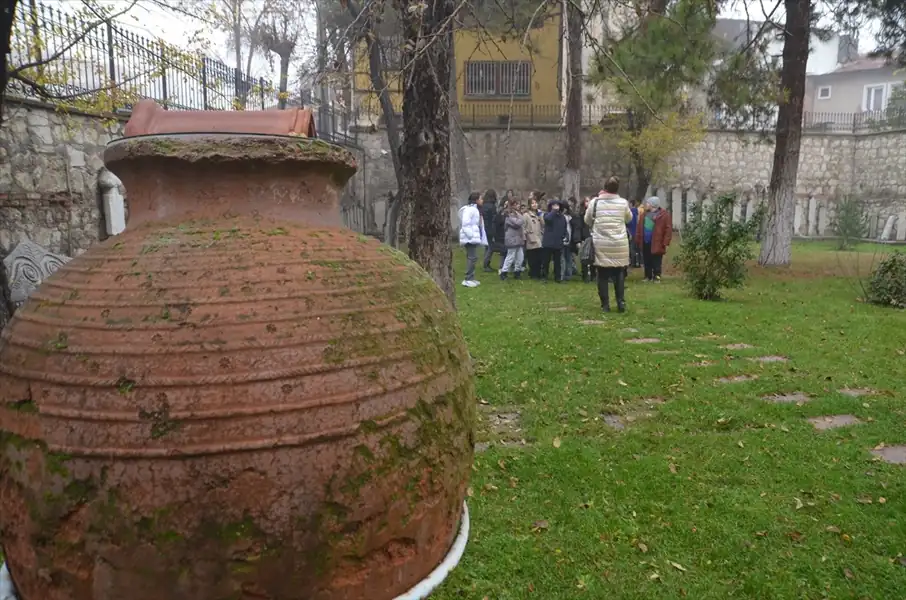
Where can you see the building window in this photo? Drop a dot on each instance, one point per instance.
(824, 93)
(875, 97)
(498, 79)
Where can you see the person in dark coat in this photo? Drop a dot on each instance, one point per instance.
(635, 258)
(490, 214)
(553, 240)
(588, 267)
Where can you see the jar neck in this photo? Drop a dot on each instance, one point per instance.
(168, 191)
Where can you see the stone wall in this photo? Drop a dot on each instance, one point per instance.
(49, 164)
(869, 165)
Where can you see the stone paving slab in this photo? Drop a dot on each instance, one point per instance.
(737, 378)
(737, 346)
(788, 398)
(643, 341)
(769, 359)
(592, 322)
(857, 392)
(826, 422)
(895, 455)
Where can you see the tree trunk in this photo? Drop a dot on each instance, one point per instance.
(776, 247)
(8, 16)
(571, 176)
(376, 72)
(461, 181)
(642, 178)
(284, 80)
(425, 156)
(236, 7)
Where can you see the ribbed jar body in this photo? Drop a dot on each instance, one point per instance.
(234, 399)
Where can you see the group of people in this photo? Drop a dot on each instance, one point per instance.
(606, 233)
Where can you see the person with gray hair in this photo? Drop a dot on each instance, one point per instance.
(653, 235)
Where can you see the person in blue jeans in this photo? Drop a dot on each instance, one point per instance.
(553, 240)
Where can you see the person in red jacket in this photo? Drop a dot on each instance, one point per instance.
(653, 234)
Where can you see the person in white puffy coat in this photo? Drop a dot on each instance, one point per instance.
(471, 235)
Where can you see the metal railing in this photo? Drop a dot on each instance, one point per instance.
(80, 61)
(521, 113)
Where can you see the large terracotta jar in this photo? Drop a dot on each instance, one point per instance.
(237, 398)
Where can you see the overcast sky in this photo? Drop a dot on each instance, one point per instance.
(149, 19)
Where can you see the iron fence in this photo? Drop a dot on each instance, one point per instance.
(86, 62)
(521, 114)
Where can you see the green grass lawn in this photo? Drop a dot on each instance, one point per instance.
(709, 491)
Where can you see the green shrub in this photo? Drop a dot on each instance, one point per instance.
(850, 222)
(888, 282)
(715, 248)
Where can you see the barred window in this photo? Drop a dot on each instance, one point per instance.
(499, 78)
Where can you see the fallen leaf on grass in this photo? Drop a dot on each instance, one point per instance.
(540, 526)
(761, 533)
(848, 574)
(740, 444)
(832, 529)
(556, 442)
(795, 536)
(902, 561)
(470, 492)
(677, 566)
(846, 538)
(514, 482)
(654, 576)
(864, 500)
(623, 383)
(490, 487)
(672, 468)
(642, 547)
(882, 500)
(799, 503)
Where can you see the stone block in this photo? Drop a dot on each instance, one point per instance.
(27, 266)
(42, 134)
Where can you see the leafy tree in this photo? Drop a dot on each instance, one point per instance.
(715, 248)
(650, 67)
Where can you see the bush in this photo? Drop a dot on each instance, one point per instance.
(850, 222)
(715, 248)
(888, 282)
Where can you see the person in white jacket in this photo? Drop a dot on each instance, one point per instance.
(472, 235)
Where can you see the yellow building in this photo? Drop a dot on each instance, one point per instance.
(500, 78)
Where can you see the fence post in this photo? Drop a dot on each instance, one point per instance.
(261, 91)
(237, 85)
(204, 82)
(163, 75)
(111, 64)
(532, 114)
(473, 115)
(855, 118)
